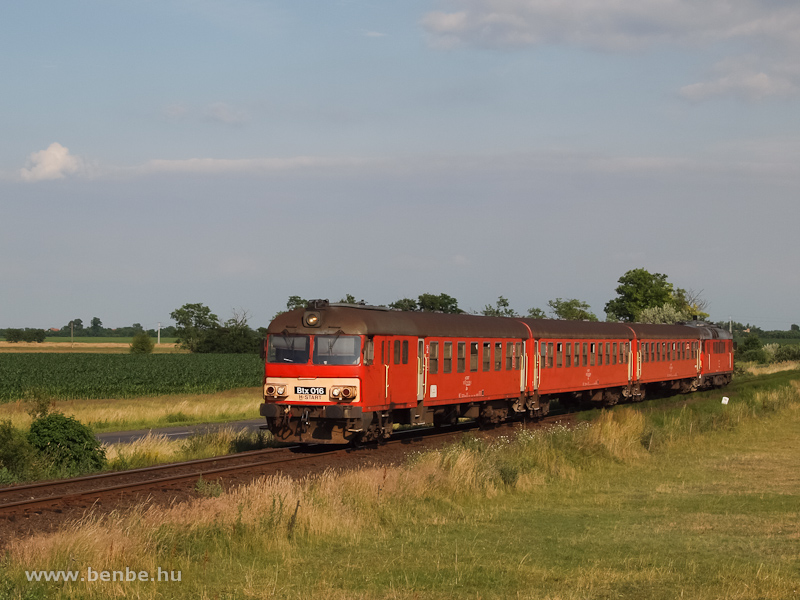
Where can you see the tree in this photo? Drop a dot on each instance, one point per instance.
(571, 309)
(536, 313)
(193, 322)
(407, 304)
(350, 299)
(795, 327)
(639, 289)
(142, 343)
(295, 302)
(500, 309)
(665, 314)
(96, 328)
(441, 303)
(14, 335)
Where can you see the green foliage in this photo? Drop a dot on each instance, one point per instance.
(441, 303)
(536, 313)
(142, 344)
(68, 443)
(73, 376)
(500, 309)
(751, 349)
(639, 289)
(665, 314)
(208, 489)
(16, 452)
(571, 310)
(193, 321)
(25, 335)
(406, 304)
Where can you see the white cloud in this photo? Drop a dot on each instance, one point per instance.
(742, 77)
(224, 113)
(243, 165)
(772, 29)
(53, 163)
(618, 25)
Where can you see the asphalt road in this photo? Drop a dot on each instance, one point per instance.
(180, 432)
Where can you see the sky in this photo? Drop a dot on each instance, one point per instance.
(238, 152)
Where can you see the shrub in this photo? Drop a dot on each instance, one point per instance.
(14, 335)
(787, 352)
(142, 343)
(68, 443)
(16, 453)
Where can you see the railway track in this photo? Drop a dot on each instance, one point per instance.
(36, 496)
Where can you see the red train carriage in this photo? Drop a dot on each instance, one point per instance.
(336, 373)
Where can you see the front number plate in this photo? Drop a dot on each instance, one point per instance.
(309, 391)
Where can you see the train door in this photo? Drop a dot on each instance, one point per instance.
(536, 366)
(422, 372)
(386, 354)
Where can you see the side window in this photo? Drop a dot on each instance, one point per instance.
(543, 351)
(608, 353)
(405, 352)
(568, 356)
(585, 355)
(498, 356)
(559, 354)
(462, 356)
(614, 353)
(447, 367)
(509, 355)
(592, 353)
(577, 354)
(397, 352)
(384, 357)
(473, 356)
(550, 354)
(487, 356)
(433, 358)
(517, 355)
(600, 353)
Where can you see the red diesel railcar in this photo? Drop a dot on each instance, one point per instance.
(338, 372)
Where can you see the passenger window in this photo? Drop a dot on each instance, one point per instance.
(568, 357)
(397, 352)
(369, 352)
(433, 358)
(447, 367)
(614, 352)
(487, 356)
(577, 354)
(498, 356)
(517, 355)
(473, 356)
(592, 353)
(405, 352)
(509, 355)
(543, 359)
(600, 353)
(462, 356)
(559, 354)
(550, 354)
(608, 353)
(585, 359)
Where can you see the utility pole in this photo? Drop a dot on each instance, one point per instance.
(730, 325)
(159, 333)
(72, 334)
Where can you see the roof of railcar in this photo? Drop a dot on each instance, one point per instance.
(550, 328)
(379, 321)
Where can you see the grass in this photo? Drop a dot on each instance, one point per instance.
(104, 415)
(105, 340)
(709, 511)
(155, 449)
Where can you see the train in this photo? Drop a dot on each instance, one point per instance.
(339, 373)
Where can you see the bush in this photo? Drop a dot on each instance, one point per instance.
(16, 453)
(142, 343)
(787, 352)
(68, 443)
(14, 335)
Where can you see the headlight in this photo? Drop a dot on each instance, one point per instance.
(311, 319)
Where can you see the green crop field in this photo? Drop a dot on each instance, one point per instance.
(76, 376)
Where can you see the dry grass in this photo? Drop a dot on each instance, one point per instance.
(84, 347)
(143, 413)
(757, 369)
